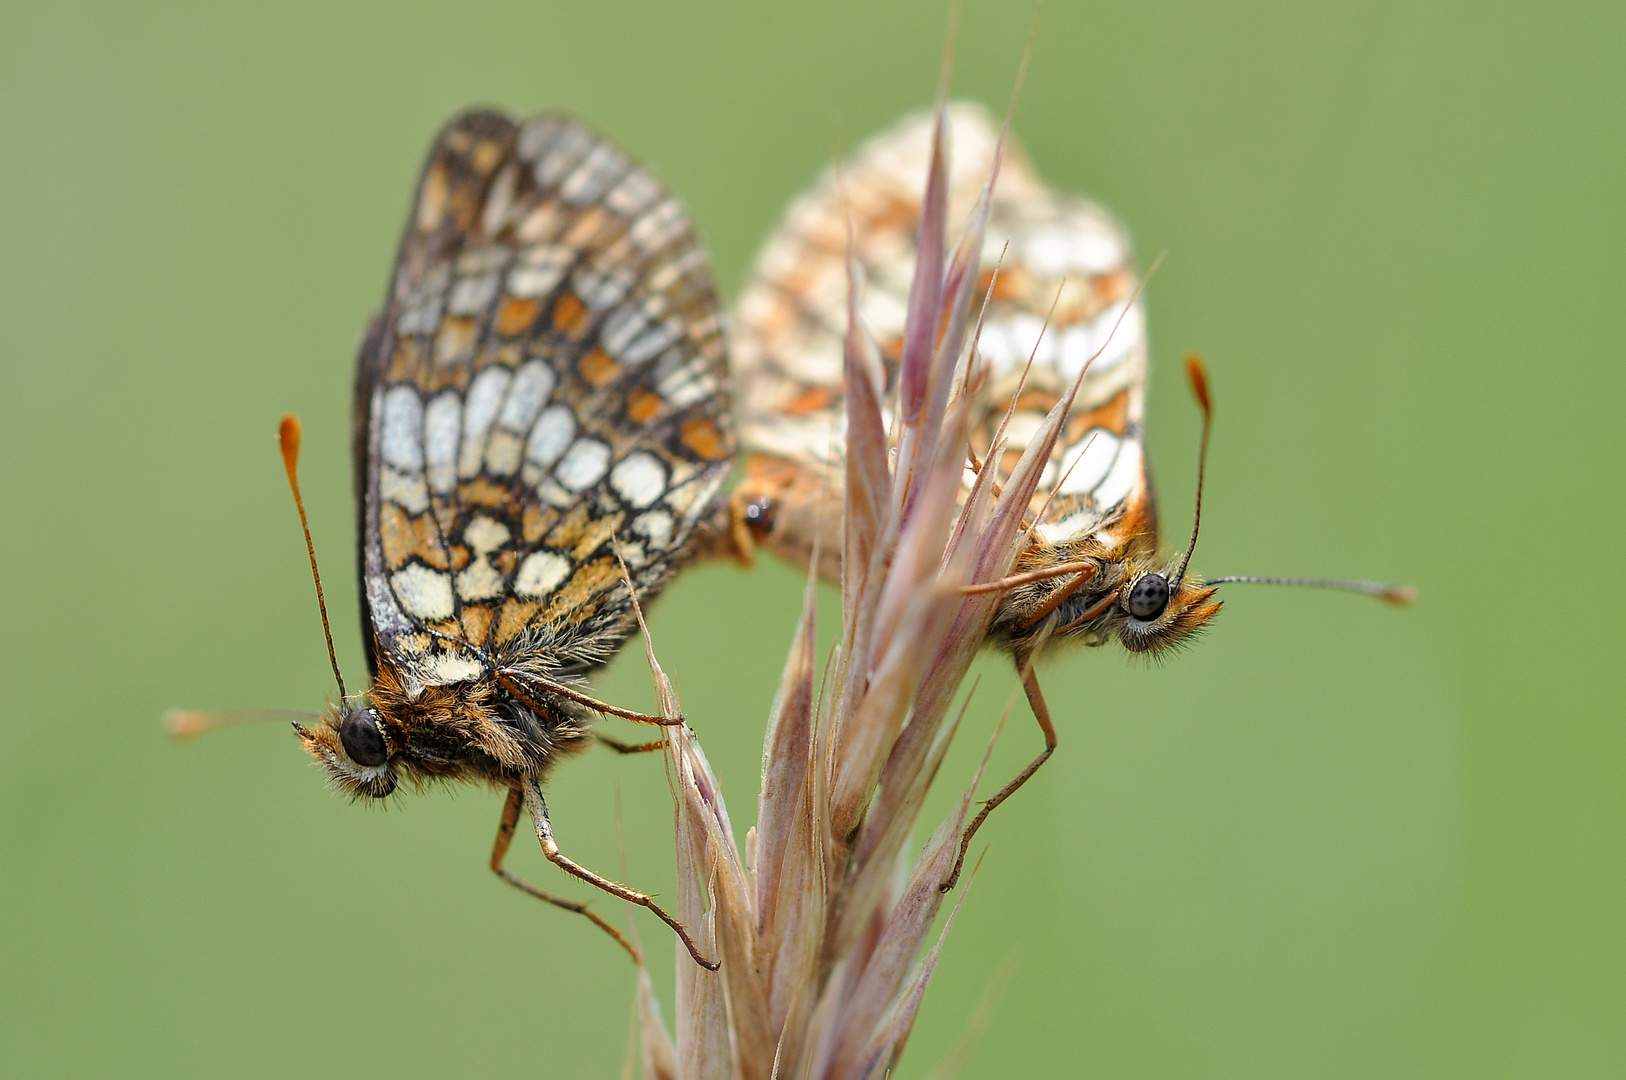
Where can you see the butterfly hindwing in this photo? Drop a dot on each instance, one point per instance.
(545, 391)
(1062, 250)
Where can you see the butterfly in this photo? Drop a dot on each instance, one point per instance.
(1064, 308)
(541, 428)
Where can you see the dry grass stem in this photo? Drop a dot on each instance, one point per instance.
(821, 928)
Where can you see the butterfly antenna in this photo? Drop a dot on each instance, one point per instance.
(288, 433)
(1399, 595)
(1197, 375)
(182, 724)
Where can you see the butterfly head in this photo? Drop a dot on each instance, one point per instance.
(469, 730)
(1119, 591)
(354, 748)
(1156, 610)
(1114, 585)
(1122, 588)
(1156, 605)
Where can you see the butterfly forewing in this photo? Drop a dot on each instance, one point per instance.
(544, 391)
(791, 319)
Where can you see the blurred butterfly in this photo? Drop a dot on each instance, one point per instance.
(541, 430)
(1063, 307)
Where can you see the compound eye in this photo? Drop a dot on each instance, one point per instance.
(759, 517)
(1149, 596)
(363, 739)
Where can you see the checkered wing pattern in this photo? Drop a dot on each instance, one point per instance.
(790, 323)
(544, 390)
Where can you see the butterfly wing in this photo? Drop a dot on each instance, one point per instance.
(790, 323)
(544, 390)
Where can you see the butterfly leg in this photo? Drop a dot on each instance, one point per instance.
(544, 834)
(499, 851)
(1041, 713)
(509, 680)
(629, 748)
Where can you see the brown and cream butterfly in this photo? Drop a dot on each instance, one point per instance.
(1063, 309)
(541, 431)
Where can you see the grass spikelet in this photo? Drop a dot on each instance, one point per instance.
(821, 937)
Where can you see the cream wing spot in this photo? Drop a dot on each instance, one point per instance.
(656, 526)
(447, 667)
(587, 183)
(691, 264)
(1073, 525)
(634, 554)
(560, 153)
(683, 499)
(1077, 345)
(500, 201)
(482, 260)
(441, 421)
(549, 491)
(684, 385)
(1088, 462)
(1046, 253)
(503, 450)
(1032, 338)
(635, 191)
(479, 581)
(633, 336)
(620, 327)
(884, 312)
(402, 440)
(535, 136)
(454, 342)
(539, 271)
(583, 465)
(1123, 478)
(652, 344)
(639, 479)
(602, 288)
(485, 394)
(659, 227)
(423, 592)
(471, 295)
(1116, 344)
(994, 344)
(533, 382)
(421, 304)
(553, 431)
(1021, 429)
(485, 535)
(406, 490)
(1074, 248)
(540, 574)
(1098, 252)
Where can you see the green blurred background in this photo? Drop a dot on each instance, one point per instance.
(1334, 840)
